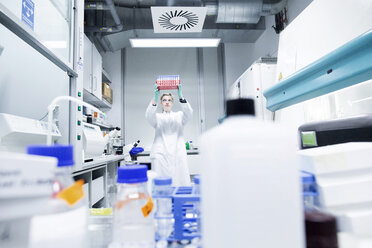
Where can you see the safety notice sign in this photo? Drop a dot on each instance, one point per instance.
(28, 13)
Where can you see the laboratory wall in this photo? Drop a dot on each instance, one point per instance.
(237, 60)
(140, 71)
(142, 66)
(239, 56)
(29, 82)
(213, 87)
(111, 63)
(320, 29)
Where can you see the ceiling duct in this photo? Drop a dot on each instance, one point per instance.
(150, 3)
(220, 20)
(243, 11)
(273, 8)
(108, 6)
(239, 11)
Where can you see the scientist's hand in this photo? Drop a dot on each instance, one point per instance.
(156, 93)
(180, 96)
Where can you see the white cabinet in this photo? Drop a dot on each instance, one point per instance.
(92, 69)
(97, 73)
(251, 84)
(88, 53)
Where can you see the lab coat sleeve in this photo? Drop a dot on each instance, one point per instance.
(187, 112)
(151, 114)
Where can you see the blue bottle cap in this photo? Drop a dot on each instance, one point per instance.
(163, 181)
(197, 179)
(64, 153)
(307, 177)
(132, 174)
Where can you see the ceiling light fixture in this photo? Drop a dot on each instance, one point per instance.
(174, 42)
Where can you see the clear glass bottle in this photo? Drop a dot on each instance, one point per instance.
(162, 193)
(133, 223)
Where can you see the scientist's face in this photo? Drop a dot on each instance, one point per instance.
(167, 103)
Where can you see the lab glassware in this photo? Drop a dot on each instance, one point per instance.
(162, 193)
(133, 223)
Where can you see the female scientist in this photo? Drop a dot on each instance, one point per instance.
(168, 153)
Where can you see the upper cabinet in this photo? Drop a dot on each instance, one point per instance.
(92, 69)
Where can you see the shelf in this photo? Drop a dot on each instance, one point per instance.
(92, 99)
(348, 65)
(106, 77)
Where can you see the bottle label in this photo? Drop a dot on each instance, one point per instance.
(146, 210)
(73, 193)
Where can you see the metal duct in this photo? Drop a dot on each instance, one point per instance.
(150, 3)
(228, 12)
(243, 11)
(96, 6)
(111, 7)
(239, 11)
(273, 8)
(103, 42)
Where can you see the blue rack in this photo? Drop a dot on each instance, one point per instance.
(186, 220)
(347, 65)
(309, 190)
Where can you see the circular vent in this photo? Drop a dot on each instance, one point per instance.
(178, 20)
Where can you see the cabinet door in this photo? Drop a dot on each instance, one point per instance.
(88, 76)
(97, 73)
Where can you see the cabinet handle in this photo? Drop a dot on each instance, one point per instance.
(95, 83)
(91, 83)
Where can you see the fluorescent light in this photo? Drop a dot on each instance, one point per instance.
(55, 44)
(174, 42)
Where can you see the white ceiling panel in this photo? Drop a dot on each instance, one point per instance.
(178, 19)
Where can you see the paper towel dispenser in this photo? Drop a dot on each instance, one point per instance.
(352, 129)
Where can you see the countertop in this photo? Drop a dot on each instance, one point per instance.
(189, 152)
(102, 160)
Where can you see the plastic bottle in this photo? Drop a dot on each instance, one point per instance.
(162, 192)
(133, 223)
(25, 189)
(250, 182)
(67, 210)
(321, 230)
(191, 145)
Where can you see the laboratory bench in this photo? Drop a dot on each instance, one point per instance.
(98, 176)
(102, 160)
(189, 152)
(192, 160)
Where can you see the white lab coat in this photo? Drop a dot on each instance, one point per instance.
(168, 154)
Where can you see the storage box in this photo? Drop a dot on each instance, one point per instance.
(107, 92)
(168, 82)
